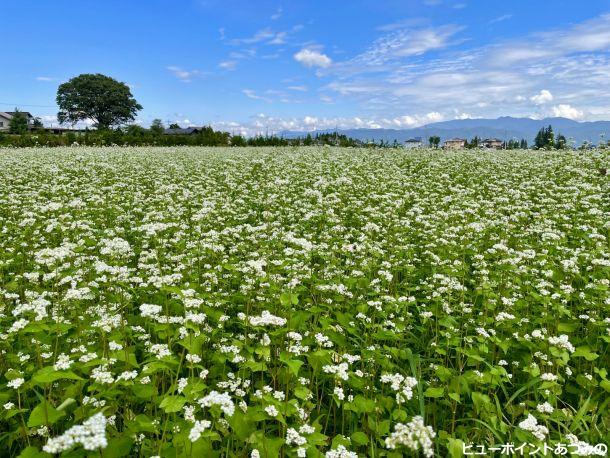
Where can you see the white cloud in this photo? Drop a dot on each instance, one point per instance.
(404, 43)
(543, 97)
(408, 121)
(312, 58)
(298, 88)
(504, 17)
(567, 111)
(253, 95)
(185, 76)
(501, 79)
(278, 14)
(262, 123)
(266, 36)
(45, 78)
(228, 64)
(261, 35)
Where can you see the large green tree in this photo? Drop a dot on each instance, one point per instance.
(434, 141)
(104, 100)
(18, 123)
(157, 127)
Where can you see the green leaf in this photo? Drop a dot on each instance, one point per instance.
(363, 405)
(43, 414)
(359, 438)
(585, 352)
(605, 384)
(293, 364)
(434, 392)
(567, 327)
(146, 391)
(33, 452)
(256, 366)
(172, 403)
(455, 396)
(50, 375)
(455, 447)
(480, 401)
(285, 299)
(118, 447)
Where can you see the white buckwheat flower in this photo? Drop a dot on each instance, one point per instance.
(91, 435)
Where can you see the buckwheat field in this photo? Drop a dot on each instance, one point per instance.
(302, 302)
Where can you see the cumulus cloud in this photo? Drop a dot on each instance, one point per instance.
(312, 58)
(543, 97)
(567, 111)
(262, 123)
(504, 78)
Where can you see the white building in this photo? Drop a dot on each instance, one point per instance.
(6, 116)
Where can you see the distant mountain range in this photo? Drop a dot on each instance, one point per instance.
(504, 128)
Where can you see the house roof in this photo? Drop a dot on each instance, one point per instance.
(27, 113)
(414, 140)
(492, 140)
(186, 131)
(455, 140)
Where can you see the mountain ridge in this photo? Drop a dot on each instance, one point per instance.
(504, 128)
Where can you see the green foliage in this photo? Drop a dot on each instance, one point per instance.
(545, 139)
(212, 301)
(100, 98)
(156, 127)
(18, 123)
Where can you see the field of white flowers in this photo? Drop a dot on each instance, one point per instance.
(303, 302)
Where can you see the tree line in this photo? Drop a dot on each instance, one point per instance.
(111, 106)
(546, 139)
(135, 135)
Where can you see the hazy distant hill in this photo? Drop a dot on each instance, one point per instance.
(504, 128)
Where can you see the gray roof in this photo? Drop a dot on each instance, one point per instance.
(186, 131)
(27, 113)
(414, 140)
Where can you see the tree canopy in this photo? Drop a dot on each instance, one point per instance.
(100, 98)
(18, 123)
(545, 139)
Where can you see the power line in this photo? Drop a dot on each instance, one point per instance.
(25, 105)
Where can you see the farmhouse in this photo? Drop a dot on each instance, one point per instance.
(6, 116)
(494, 143)
(415, 142)
(180, 131)
(454, 143)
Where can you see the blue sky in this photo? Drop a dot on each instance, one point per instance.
(253, 66)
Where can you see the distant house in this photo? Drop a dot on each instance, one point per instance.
(415, 142)
(454, 143)
(186, 131)
(494, 143)
(6, 116)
